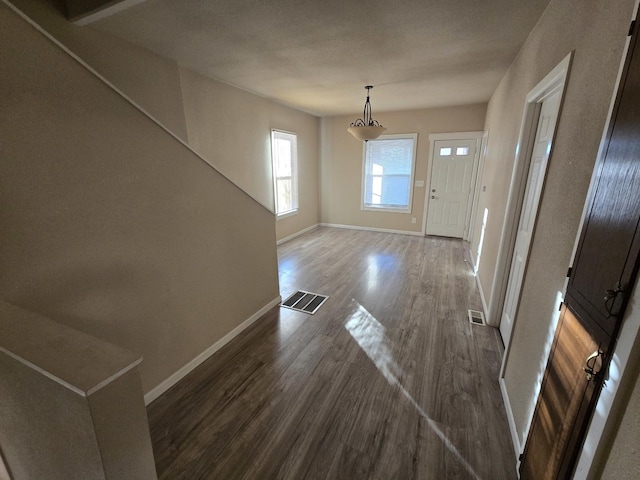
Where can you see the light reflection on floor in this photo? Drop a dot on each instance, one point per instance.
(370, 336)
(536, 386)
(479, 252)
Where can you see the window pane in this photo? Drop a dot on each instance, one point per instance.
(376, 190)
(388, 170)
(284, 195)
(445, 151)
(462, 151)
(395, 191)
(391, 157)
(284, 157)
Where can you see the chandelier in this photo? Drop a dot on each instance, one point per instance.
(366, 128)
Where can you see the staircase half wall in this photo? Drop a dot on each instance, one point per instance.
(110, 224)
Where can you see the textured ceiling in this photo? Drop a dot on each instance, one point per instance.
(318, 55)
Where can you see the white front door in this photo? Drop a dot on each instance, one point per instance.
(450, 190)
(529, 212)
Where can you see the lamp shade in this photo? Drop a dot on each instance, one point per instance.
(365, 133)
(366, 128)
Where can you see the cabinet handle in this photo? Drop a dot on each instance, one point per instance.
(590, 364)
(610, 297)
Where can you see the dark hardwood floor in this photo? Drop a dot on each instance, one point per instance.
(388, 380)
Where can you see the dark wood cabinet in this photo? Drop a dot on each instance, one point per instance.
(607, 254)
(601, 279)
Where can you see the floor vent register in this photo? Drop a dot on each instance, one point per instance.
(306, 302)
(476, 317)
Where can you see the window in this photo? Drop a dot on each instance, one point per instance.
(388, 172)
(284, 155)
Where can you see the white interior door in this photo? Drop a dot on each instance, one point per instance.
(450, 190)
(528, 214)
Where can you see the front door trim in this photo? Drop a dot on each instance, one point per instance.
(477, 135)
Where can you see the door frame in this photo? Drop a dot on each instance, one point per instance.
(478, 185)
(533, 188)
(474, 135)
(555, 80)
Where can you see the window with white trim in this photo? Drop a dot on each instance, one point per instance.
(389, 163)
(284, 155)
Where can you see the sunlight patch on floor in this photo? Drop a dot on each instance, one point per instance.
(370, 335)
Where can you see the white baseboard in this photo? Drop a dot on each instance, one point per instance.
(484, 302)
(184, 371)
(512, 423)
(297, 234)
(485, 308)
(372, 229)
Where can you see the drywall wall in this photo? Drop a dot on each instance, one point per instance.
(152, 81)
(622, 462)
(342, 157)
(71, 404)
(596, 32)
(231, 128)
(112, 226)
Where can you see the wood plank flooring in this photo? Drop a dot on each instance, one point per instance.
(388, 380)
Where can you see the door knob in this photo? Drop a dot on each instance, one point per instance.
(590, 364)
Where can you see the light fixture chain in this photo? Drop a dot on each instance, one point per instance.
(366, 128)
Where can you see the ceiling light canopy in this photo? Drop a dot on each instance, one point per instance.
(366, 128)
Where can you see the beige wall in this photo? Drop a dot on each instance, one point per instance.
(342, 156)
(112, 226)
(622, 462)
(232, 129)
(596, 31)
(71, 405)
(150, 80)
(229, 127)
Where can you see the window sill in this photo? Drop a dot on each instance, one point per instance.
(288, 214)
(386, 209)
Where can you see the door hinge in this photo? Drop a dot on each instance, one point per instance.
(560, 306)
(521, 456)
(569, 270)
(631, 28)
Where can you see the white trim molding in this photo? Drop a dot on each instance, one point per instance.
(512, 422)
(433, 137)
(389, 209)
(483, 299)
(297, 234)
(161, 388)
(372, 229)
(556, 80)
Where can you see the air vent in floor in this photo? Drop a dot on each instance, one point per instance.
(306, 302)
(476, 317)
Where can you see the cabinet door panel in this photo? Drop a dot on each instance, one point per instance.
(604, 271)
(565, 396)
(608, 249)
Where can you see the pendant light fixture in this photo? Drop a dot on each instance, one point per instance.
(366, 128)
